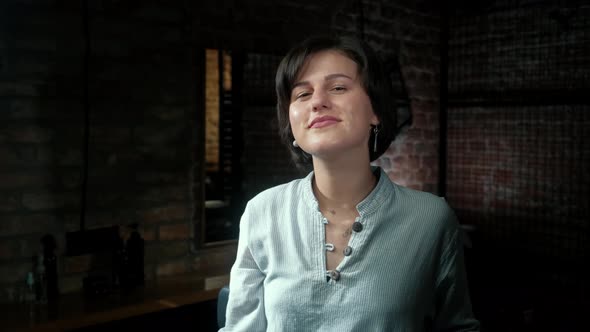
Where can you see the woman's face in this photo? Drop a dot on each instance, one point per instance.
(330, 112)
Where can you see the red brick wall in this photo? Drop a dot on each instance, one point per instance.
(412, 32)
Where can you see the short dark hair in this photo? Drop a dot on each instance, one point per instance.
(374, 79)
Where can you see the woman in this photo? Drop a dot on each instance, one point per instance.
(344, 249)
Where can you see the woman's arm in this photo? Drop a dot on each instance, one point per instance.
(245, 307)
(453, 304)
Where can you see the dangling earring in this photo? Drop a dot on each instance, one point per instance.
(375, 133)
(295, 144)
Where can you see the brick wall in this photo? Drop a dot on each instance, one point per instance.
(266, 161)
(518, 152)
(409, 32)
(139, 93)
(146, 135)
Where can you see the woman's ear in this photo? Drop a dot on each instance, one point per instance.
(374, 120)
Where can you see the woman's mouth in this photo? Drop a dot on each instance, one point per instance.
(323, 121)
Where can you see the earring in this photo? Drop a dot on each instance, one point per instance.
(375, 133)
(295, 144)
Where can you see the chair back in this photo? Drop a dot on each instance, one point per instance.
(222, 305)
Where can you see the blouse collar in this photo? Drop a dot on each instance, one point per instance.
(371, 203)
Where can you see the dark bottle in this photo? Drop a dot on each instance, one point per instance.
(128, 259)
(40, 279)
(50, 263)
(135, 257)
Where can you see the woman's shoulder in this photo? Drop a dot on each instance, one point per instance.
(268, 206)
(421, 199)
(426, 207)
(277, 194)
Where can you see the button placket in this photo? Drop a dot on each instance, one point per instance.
(357, 227)
(333, 275)
(347, 251)
(355, 241)
(323, 245)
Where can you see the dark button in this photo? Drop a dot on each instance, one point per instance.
(335, 275)
(347, 251)
(357, 226)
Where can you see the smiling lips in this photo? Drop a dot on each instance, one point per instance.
(323, 121)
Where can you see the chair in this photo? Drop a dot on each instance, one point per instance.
(222, 298)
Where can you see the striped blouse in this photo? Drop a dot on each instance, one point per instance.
(405, 270)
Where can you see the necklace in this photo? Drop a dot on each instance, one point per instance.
(372, 186)
(347, 232)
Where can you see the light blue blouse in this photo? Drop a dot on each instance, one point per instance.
(405, 271)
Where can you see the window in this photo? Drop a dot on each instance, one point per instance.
(222, 180)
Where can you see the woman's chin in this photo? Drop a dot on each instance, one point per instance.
(337, 154)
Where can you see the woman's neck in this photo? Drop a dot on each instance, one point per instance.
(342, 184)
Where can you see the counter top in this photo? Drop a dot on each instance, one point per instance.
(73, 310)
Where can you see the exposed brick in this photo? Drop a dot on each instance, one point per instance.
(413, 162)
(155, 134)
(18, 180)
(430, 187)
(166, 113)
(27, 224)
(171, 268)
(71, 283)
(10, 203)
(8, 249)
(167, 194)
(174, 232)
(18, 89)
(164, 214)
(30, 134)
(78, 264)
(429, 161)
(14, 272)
(400, 160)
(17, 156)
(152, 177)
(163, 251)
(217, 260)
(148, 233)
(47, 200)
(108, 134)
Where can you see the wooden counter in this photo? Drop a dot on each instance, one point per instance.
(73, 311)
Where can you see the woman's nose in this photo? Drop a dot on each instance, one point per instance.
(320, 100)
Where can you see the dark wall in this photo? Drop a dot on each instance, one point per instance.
(518, 146)
(129, 70)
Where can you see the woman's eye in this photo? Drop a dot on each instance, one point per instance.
(302, 95)
(339, 89)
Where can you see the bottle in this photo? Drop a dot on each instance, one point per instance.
(135, 254)
(30, 295)
(50, 264)
(30, 289)
(40, 280)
